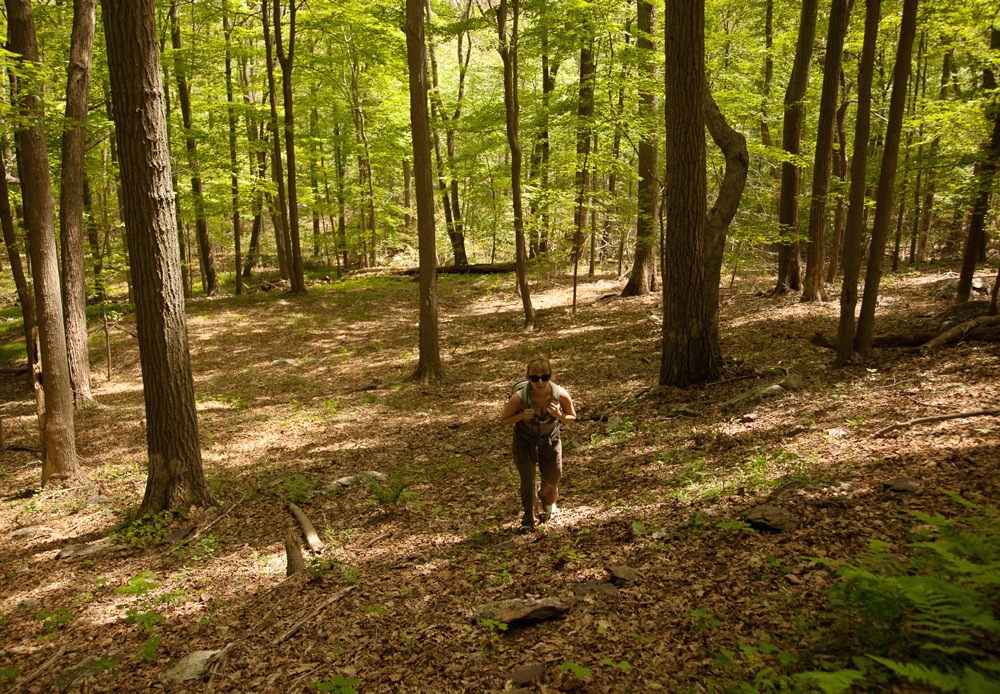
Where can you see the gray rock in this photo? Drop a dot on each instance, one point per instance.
(29, 604)
(792, 382)
(902, 485)
(191, 666)
(604, 588)
(30, 532)
(97, 499)
(771, 517)
(615, 423)
(84, 550)
(88, 667)
(529, 674)
(622, 575)
(518, 613)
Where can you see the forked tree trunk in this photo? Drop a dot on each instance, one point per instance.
(642, 279)
(281, 232)
(286, 57)
(508, 47)
(176, 478)
(791, 135)
(887, 178)
(74, 137)
(60, 463)
(812, 288)
(840, 172)
(429, 365)
(854, 228)
(24, 297)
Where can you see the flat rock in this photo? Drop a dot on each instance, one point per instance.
(97, 500)
(30, 532)
(902, 485)
(622, 575)
(84, 550)
(88, 667)
(771, 517)
(189, 667)
(517, 613)
(529, 674)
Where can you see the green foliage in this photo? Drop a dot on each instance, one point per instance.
(703, 619)
(296, 488)
(140, 584)
(390, 494)
(52, 620)
(735, 526)
(338, 684)
(148, 531)
(8, 675)
(492, 626)
(927, 614)
(576, 670)
(145, 620)
(148, 650)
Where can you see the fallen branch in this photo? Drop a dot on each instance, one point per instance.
(312, 615)
(199, 533)
(293, 554)
(312, 538)
(43, 667)
(374, 540)
(936, 418)
(960, 332)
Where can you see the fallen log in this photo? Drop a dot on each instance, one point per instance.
(964, 331)
(935, 418)
(312, 538)
(478, 269)
(914, 340)
(293, 554)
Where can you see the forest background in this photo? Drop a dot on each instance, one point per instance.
(306, 108)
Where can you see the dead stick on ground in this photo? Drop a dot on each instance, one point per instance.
(312, 538)
(43, 667)
(936, 418)
(375, 539)
(208, 527)
(312, 615)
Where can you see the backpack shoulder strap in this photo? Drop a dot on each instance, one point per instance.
(522, 389)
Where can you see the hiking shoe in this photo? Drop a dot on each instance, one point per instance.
(525, 529)
(548, 510)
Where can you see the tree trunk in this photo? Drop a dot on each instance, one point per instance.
(281, 233)
(71, 199)
(314, 166)
(407, 197)
(689, 354)
(234, 185)
(60, 463)
(287, 60)
(585, 113)
(812, 288)
(24, 297)
(429, 365)
(887, 178)
(854, 229)
(975, 240)
(209, 278)
(791, 135)
(176, 478)
(508, 47)
(255, 138)
(840, 171)
(642, 279)
(338, 158)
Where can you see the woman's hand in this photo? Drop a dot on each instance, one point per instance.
(554, 410)
(527, 415)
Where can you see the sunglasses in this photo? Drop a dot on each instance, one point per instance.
(544, 378)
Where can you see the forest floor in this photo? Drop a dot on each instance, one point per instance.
(295, 394)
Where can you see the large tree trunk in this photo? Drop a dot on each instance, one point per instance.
(840, 172)
(255, 138)
(854, 228)
(429, 365)
(71, 199)
(24, 297)
(208, 274)
(975, 240)
(887, 178)
(508, 47)
(791, 135)
(281, 225)
(642, 279)
(812, 288)
(60, 463)
(287, 60)
(176, 478)
(234, 181)
(585, 113)
(689, 354)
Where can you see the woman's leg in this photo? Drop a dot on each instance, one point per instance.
(525, 465)
(550, 466)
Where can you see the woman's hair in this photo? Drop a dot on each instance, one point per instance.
(539, 365)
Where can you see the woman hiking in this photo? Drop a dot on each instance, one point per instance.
(536, 408)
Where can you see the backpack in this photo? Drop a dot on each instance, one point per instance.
(523, 388)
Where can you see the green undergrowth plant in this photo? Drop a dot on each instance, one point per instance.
(392, 493)
(928, 614)
(146, 531)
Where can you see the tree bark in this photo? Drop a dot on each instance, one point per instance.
(282, 235)
(813, 288)
(209, 277)
(975, 239)
(176, 478)
(508, 48)
(887, 178)
(689, 355)
(585, 113)
(791, 135)
(429, 365)
(74, 137)
(642, 279)
(287, 60)
(840, 172)
(60, 463)
(234, 181)
(24, 297)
